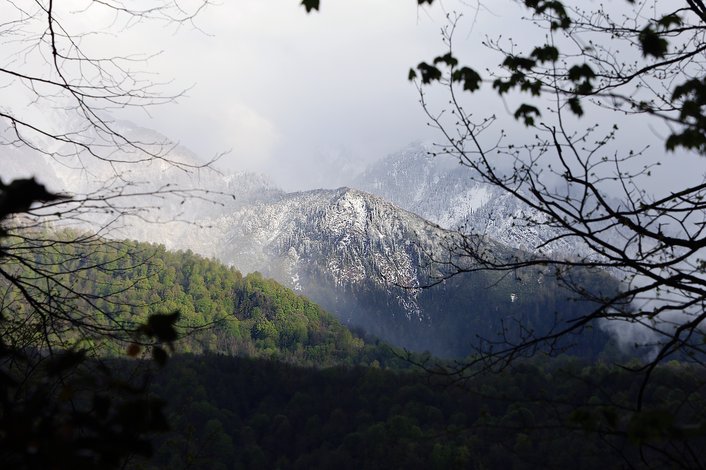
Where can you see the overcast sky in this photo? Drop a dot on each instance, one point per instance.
(299, 96)
(283, 89)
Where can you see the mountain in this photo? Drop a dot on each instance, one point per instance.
(371, 263)
(364, 259)
(445, 192)
(164, 199)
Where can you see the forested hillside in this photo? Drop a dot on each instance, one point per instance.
(366, 261)
(122, 283)
(250, 398)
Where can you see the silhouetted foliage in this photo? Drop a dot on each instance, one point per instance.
(58, 407)
(635, 58)
(61, 406)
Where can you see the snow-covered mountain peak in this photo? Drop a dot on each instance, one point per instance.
(441, 190)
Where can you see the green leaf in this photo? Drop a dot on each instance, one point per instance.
(652, 43)
(587, 420)
(689, 87)
(645, 426)
(470, 78)
(161, 326)
(533, 86)
(546, 53)
(514, 62)
(668, 21)
(429, 73)
(311, 5)
(503, 86)
(583, 71)
(575, 105)
(688, 139)
(553, 9)
(611, 417)
(448, 59)
(527, 113)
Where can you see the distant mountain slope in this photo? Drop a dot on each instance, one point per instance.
(366, 260)
(362, 258)
(441, 190)
(221, 310)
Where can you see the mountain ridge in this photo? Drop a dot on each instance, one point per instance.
(357, 254)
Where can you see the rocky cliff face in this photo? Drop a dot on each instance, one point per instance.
(371, 263)
(345, 236)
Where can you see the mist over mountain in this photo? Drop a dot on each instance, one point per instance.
(366, 260)
(362, 258)
(443, 191)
